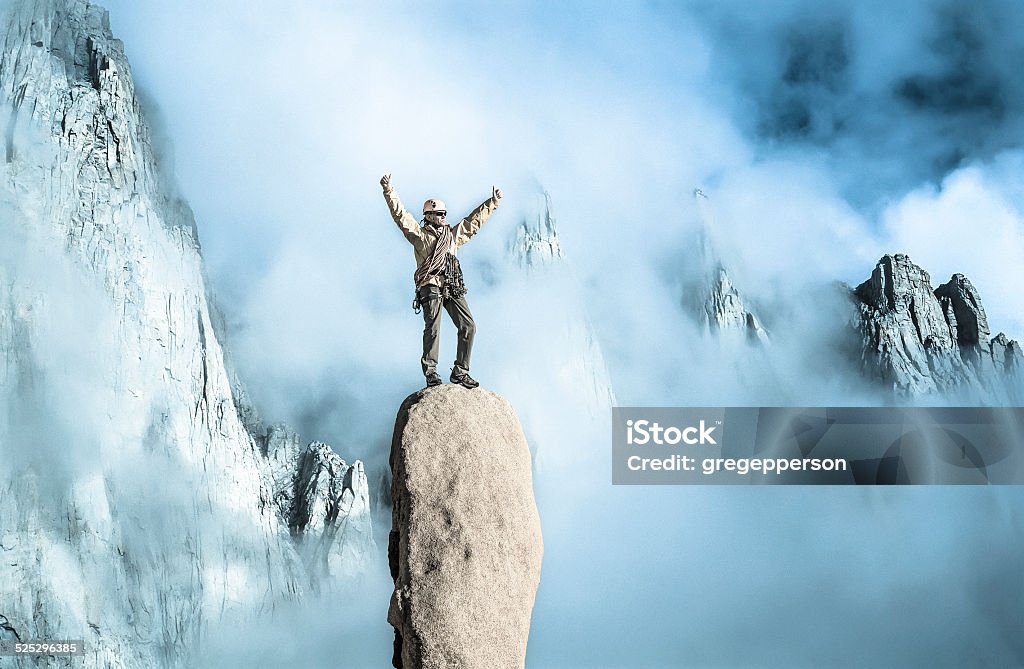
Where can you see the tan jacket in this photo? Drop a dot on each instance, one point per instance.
(423, 238)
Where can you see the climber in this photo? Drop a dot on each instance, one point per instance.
(438, 276)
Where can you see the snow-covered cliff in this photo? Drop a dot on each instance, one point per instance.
(137, 507)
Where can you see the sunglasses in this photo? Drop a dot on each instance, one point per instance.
(439, 214)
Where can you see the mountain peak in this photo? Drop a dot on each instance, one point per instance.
(159, 456)
(714, 301)
(921, 341)
(536, 241)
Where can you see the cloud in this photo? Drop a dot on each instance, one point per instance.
(973, 224)
(57, 331)
(346, 628)
(895, 94)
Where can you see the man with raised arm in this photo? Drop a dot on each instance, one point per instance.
(438, 276)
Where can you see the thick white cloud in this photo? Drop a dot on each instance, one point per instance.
(974, 225)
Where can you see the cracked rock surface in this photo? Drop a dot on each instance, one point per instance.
(465, 546)
(711, 298)
(141, 502)
(921, 341)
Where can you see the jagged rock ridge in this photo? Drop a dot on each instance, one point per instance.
(722, 309)
(919, 341)
(140, 500)
(325, 502)
(536, 241)
(711, 298)
(331, 514)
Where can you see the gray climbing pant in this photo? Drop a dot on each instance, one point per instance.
(431, 301)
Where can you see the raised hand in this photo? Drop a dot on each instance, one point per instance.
(385, 180)
(495, 193)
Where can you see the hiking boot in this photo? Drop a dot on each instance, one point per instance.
(463, 379)
(433, 379)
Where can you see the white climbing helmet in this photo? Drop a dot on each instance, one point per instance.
(433, 205)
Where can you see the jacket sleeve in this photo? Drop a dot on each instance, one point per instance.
(409, 226)
(470, 225)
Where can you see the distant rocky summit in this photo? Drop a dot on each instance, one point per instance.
(536, 241)
(326, 503)
(175, 509)
(913, 340)
(713, 301)
(721, 309)
(465, 547)
(920, 341)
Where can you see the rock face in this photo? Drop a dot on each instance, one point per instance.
(465, 546)
(919, 341)
(536, 241)
(710, 297)
(325, 503)
(331, 514)
(140, 500)
(722, 310)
